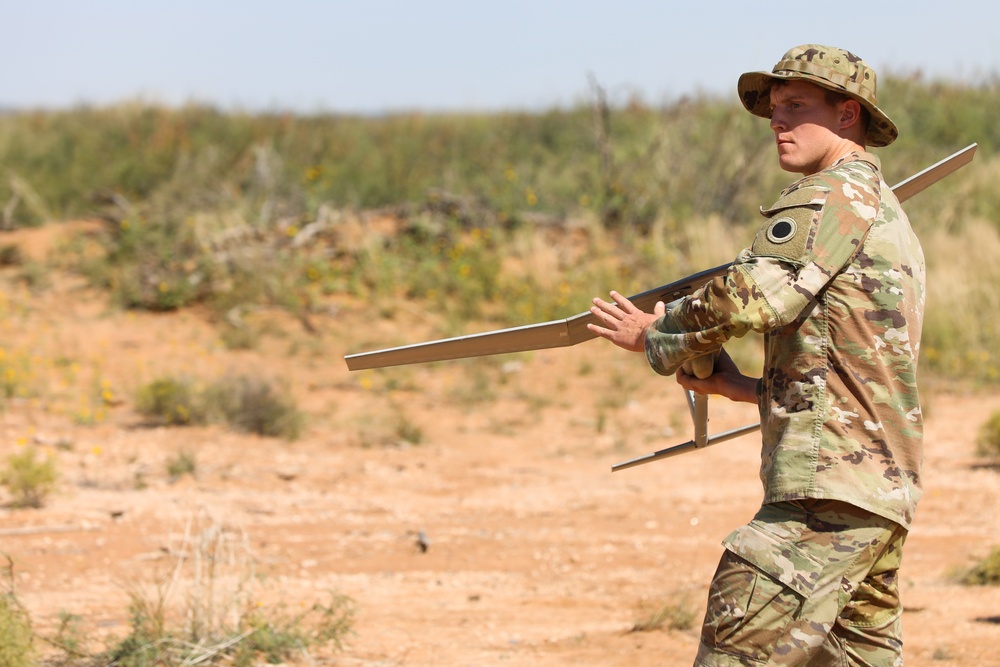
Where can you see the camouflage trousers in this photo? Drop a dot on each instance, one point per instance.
(809, 582)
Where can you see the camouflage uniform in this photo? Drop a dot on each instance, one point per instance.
(835, 281)
(807, 582)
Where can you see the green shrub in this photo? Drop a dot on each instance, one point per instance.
(15, 375)
(671, 615)
(16, 637)
(988, 440)
(28, 480)
(251, 405)
(276, 638)
(171, 401)
(182, 464)
(984, 573)
(254, 405)
(11, 255)
(70, 639)
(203, 612)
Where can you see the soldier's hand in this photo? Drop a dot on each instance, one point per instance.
(726, 380)
(622, 323)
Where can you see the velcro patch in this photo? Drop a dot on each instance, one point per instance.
(785, 235)
(790, 219)
(812, 195)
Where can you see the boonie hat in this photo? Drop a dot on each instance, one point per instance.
(826, 66)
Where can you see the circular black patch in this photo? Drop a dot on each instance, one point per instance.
(781, 230)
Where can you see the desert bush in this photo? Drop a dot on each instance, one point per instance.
(28, 480)
(71, 640)
(984, 573)
(15, 375)
(17, 647)
(670, 615)
(988, 438)
(254, 405)
(204, 612)
(248, 404)
(16, 638)
(11, 255)
(183, 463)
(172, 401)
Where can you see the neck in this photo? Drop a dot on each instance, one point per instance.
(838, 149)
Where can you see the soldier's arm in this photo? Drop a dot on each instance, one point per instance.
(726, 381)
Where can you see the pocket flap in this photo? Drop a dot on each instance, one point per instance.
(781, 560)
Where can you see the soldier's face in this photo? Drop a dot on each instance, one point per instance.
(805, 127)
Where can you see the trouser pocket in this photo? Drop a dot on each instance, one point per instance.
(759, 588)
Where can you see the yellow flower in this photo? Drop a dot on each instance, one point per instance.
(313, 173)
(530, 197)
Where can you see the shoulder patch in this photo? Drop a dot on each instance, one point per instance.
(790, 220)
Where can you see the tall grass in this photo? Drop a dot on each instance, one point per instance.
(630, 162)
(510, 217)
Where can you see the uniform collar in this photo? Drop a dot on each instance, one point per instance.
(858, 156)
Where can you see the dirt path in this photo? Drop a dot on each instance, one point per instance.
(536, 554)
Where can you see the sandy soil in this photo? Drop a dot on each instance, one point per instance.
(536, 553)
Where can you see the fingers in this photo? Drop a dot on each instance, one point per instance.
(606, 313)
(623, 302)
(618, 310)
(601, 331)
(692, 383)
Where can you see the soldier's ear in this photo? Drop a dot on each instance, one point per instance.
(850, 113)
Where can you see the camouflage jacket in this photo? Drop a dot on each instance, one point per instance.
(835, 282)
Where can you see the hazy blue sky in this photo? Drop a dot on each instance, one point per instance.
(374, 56)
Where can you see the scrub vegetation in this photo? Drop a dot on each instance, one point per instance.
(241, 212)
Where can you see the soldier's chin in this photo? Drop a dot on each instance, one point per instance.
(789, 163)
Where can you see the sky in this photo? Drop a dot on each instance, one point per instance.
(383, 56)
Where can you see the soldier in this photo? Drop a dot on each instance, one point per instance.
(834, 279)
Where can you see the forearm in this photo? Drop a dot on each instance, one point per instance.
(742, 389)
(725, 381)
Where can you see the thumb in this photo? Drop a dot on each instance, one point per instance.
(660, 309)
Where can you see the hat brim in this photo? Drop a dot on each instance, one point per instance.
(755, 93)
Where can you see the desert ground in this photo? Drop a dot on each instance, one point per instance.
(467, 508)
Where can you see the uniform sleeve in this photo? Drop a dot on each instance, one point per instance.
(811, 234)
